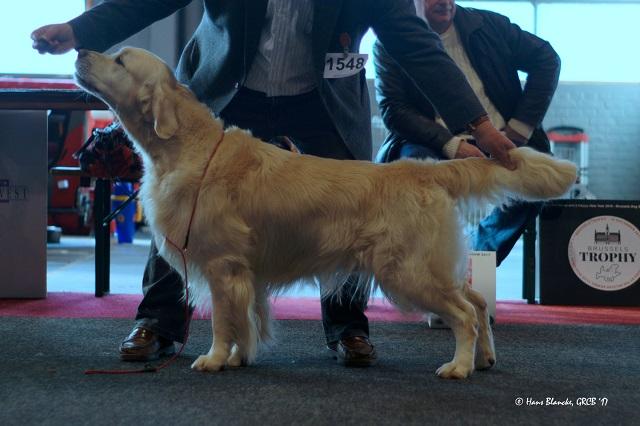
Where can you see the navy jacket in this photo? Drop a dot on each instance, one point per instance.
(217, 59)
(497, 49)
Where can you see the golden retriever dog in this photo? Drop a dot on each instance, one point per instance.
(264, 218)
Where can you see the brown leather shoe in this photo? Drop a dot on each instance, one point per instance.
(356, 351)
(144, 345)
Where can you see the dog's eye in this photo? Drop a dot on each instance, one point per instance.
(118, 60)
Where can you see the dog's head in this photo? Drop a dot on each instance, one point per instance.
(137, 85)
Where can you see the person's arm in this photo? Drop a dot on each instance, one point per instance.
(540, 61)
(399, 109)
(408, 114)
(103, 26)
(112, 21)
(418, 50)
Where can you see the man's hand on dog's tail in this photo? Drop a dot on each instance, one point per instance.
(55, 39)
(490, 140)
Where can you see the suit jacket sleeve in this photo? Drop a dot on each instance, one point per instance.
(112, 21)
(410, 43)
(405, 113)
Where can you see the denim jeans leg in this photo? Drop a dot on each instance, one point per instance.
(414, 150)
(501, 230)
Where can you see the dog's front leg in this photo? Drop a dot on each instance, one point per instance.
(220, 349)
(233, 319)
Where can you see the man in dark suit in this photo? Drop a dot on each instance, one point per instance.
(490, 51)
(283, 67)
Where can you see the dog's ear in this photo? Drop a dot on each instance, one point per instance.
(164, 113)
(158, 106)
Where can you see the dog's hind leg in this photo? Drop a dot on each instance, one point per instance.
(233, 322)
(425, 284)
(263, 315)
(411, 283)
(485, 350)
(460, 315)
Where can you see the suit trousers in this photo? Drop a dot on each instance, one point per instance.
(305, 119)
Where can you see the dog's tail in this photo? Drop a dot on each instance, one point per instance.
(537, 176)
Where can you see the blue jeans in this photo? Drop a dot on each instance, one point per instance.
(304, 119)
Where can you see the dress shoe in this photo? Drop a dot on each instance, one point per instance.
(356, 351)
(145, 345)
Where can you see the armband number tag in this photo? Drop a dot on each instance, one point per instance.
(339, 65)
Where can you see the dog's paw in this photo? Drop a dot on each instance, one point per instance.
(452, 370)
(207, 363)
(486, 353)
(236, 360)
(485, 361)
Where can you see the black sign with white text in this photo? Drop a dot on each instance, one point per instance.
(590, 253)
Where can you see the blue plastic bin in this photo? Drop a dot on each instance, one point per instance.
(125, 225)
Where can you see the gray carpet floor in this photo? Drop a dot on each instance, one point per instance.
(295, 382)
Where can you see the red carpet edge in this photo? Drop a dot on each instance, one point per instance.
(85, 305)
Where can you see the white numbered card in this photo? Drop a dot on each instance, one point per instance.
(340, 65)
(482, 269)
